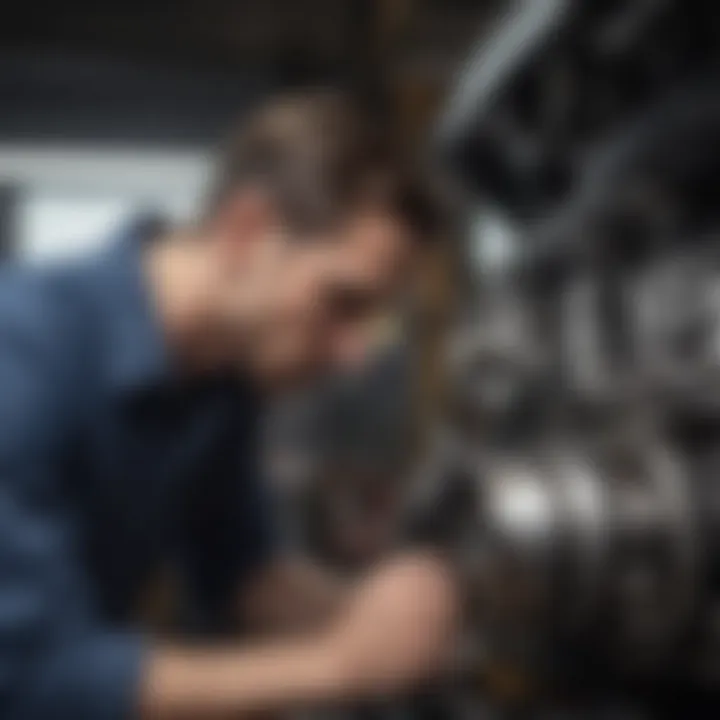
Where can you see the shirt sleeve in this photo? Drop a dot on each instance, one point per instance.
(57, 660)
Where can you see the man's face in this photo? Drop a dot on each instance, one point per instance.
(318, 305)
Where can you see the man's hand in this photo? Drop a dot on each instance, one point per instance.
(399, 627)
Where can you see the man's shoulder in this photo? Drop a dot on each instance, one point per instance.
(49, 327)
(41, 305)
(42, 362)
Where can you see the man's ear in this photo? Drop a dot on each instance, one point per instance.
(243, 218)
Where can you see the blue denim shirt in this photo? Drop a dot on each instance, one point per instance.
(110, 465)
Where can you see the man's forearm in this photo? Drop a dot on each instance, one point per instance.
(395, 630)
(211, 683)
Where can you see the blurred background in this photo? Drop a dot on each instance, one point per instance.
(113, 108)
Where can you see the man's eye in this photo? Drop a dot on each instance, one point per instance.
(351, 304)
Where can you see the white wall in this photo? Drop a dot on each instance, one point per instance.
(72, 198)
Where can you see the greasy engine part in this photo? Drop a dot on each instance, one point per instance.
(586, 547)
(580, 491)
(572, 553)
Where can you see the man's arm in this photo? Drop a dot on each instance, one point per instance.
(396, 628)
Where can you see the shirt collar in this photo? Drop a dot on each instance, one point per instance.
(136, 351)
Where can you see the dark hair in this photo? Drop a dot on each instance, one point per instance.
(322, 157)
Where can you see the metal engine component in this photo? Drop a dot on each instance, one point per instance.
(577, 546)
(580, 495)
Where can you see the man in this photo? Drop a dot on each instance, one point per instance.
(129, 385)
